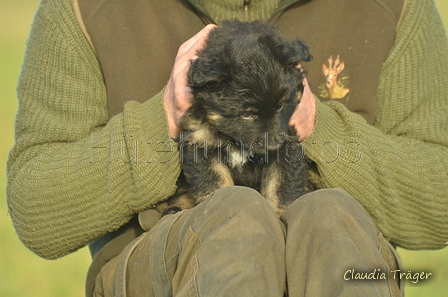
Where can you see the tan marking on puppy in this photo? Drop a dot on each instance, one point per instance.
(224, 174)
(225, 177)
(236, 157)
(202, 136)
(190, 123)
(183, 201)
(220, 80)
(283, 99)
(252, 109)
(270, 188)
(299, 97)
(214, 118)
(200, 132)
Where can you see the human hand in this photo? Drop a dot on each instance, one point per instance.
(304, 117)
(177, 97)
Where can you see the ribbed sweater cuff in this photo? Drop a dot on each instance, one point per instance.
(328, 134)
(154, 118)
(156, 170)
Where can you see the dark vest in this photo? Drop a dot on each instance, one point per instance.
(136, 43)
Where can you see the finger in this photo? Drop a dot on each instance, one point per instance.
(188, 50)
(184, 99)
(187, 45)
(180, 74)
(183, 60)
(200, 44)
(180, 99)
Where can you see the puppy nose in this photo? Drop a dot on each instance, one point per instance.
(274, 141)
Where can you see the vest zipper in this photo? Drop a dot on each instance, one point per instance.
(205, 17)
(281, 9)
(246, 4)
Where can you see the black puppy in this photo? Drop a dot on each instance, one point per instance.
(246, 86)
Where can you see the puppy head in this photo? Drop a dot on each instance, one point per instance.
(246, 84)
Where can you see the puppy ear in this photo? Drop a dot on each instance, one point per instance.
(204, 70)
(289, 52)
(296, 51)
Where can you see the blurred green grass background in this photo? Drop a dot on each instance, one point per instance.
(24, 274)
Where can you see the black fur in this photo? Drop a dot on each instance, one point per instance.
(246, 87)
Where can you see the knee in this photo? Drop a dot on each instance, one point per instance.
(326, 200)
(234, 210)
(236, 198)
(326, 209)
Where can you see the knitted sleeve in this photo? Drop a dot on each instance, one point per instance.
(398, 168)
(73, 175)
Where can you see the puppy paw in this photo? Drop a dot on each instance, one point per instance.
(171, 210)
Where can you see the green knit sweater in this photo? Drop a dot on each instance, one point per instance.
(65, 189)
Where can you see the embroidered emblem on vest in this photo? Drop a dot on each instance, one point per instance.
(335, 84)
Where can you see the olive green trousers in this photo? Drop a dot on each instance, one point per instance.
(233, 244)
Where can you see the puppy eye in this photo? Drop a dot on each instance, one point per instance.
(247, 115)
(280, 108)
(220, 80)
